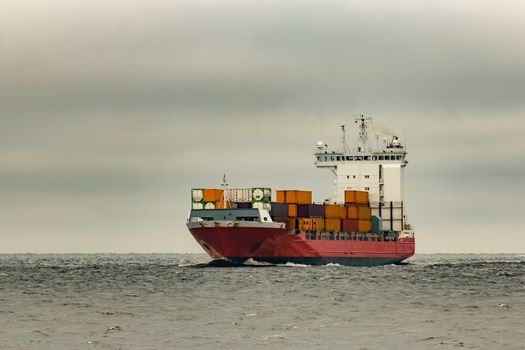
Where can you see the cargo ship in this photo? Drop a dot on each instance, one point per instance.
(362, 224)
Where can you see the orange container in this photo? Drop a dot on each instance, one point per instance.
(332, 211)
(342, 212)
(304, 197)
(364, 213)
(212, 194)
(351, 212)
(304, 224)
(349, 196)
(291, 196)
(223, 205)
(360, 197)
(364, 225)
(281, 196)
(332, 225)
(317, 224)
(292, 210)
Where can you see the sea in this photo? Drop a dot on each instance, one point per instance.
(175, 301)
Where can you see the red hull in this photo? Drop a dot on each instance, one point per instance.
(275, 245)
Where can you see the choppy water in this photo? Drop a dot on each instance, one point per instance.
(165, 302)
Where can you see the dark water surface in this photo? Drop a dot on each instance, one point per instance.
(165, 302)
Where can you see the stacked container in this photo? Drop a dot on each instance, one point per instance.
(391, 213)
(359, 214)
(205, 198)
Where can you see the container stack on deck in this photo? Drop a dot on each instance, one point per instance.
(213, 198)
(296, 209)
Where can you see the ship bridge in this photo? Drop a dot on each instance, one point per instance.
(372, 166)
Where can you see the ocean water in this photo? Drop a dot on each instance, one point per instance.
(171, 302)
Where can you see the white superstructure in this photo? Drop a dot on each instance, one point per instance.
(373, 165)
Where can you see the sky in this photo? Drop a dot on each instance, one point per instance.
(111, 111)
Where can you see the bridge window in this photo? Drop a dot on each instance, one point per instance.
(332, 158)
(349, 158)
(367, 157)
(387, 157)
(380, 157)
(374, 157)
(367, 188)
(338, 158)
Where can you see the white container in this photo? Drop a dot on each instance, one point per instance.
(261, 194)
(197, 205)
(197, 195)
(242, 195)
(397, 225)
(397, 213)
(375, 211)
(209, 205)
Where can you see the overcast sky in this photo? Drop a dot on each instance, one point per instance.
(110, 111)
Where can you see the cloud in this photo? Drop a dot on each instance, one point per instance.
(106, 102)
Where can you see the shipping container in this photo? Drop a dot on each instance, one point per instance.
(291, 224)
(197, 195)
(342, 212)
(209, 205)
(310, 210)
(332, 225)
(397, 225)
(296, 196)
(279, 209)
(317, 224)
(351, 212)
(364, 213)
(242, 205)
(212, 194)
(364, 225)
(349, 225)
(240, 195)
(332, 211)
(377, 226)
(360, 197)
(292, 210)
(197, 205)
(280, 219)
(261, 194)
(281, 196)
(304, 224)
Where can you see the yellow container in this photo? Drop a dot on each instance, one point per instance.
(332, 225)
(292, 210)
(364, 225)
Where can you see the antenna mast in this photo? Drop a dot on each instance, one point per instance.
(224, 186)
(363, 143)
(343, 148)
